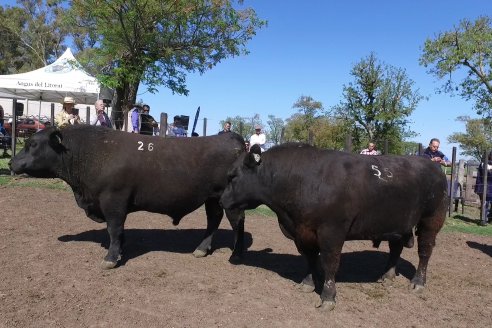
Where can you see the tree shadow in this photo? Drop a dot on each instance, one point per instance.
(360, 266)
(141, 241)
(487, 249)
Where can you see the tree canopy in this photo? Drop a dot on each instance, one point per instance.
(476, 139)
(467, 46)
(378, 103)
(157, 42)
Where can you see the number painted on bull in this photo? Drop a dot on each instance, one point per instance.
(141, 144)
(386, 172)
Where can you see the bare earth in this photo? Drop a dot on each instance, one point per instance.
(50, 275)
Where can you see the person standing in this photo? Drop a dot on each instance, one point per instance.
(479, 185)
(147, 122)
(258, 138)
(227, 127)
(370, 150)
(136, 118)
(100, 117)
(434, 154)
(176, 129)
(2, 116)
(69, 114)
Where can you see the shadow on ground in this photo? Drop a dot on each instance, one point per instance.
(487, 249)
(359, 266)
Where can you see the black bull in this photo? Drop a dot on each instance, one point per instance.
(323, 198)
(113, 173)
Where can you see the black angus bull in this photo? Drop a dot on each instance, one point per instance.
(113, 173)
(323, 198)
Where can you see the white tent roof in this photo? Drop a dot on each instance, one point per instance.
(52, 83)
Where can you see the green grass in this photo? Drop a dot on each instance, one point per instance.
(16, 181)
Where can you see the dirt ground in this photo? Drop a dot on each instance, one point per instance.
(50, 276)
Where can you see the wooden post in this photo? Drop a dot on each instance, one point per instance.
(348, 143)
(204, 126)
(163, 125)
(451, 183)
(88, 115)
(52, 118)
(282, 133)
(311, 138)
(483, 210)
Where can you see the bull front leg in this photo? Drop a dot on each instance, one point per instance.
(116, 236)
(236, 219)
(395, 247)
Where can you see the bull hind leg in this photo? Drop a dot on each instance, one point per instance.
(236, 219)
(214, 216)
(395, 247)
(330, 243)
(426, 232)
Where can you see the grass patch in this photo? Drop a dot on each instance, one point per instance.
(466, 224)
(18, 181)
(261, 210)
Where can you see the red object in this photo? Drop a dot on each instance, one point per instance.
(25, 127)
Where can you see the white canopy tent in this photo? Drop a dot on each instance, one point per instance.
(65, 77)
(52, 83)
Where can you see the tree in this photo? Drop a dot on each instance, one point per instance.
(245, 126)
(34, 32)
(156, 42)
(276, 125)
(377, 103)
(476, 139)
(467, 46)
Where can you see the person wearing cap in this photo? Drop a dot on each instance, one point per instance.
(68, 115)
(100, 117)
(258, 138)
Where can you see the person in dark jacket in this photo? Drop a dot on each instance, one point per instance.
(434, 154)
(147, 122)
(479, 184)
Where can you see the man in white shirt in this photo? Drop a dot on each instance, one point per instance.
(258, 138)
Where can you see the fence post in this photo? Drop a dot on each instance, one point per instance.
(52, 118)
(204, 126)
(348, 143)
(386, 147)
(483, 210)
(451, 183)
(163, 125)
(88, 115)
(282, 133)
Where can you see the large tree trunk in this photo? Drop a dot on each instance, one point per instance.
(126, 96)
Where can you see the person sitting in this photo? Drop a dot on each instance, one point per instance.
(69, 114)
(479, 185)
(434, 154)
(370, 150)
(100, 117)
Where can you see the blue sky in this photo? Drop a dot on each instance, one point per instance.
(309, 47)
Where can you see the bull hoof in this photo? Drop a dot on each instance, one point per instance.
(199, 253)
(235, 259)
(106, 265)
(305, 288)
(325, 305)
(417, 289)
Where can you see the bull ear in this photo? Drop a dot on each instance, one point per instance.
(56, 139)
(254, 157)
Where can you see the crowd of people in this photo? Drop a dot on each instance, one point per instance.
(143, 123)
